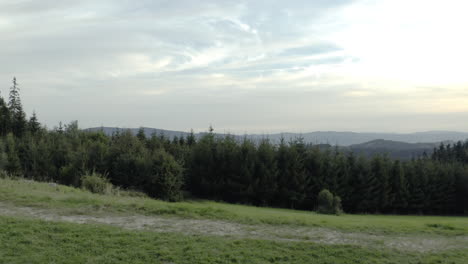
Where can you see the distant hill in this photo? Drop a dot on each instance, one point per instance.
(394, 149)
(323, 137)
(148, 131)
(352, 138)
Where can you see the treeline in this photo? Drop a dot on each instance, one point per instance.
(292, 174)
(288, 174)
(457, 152)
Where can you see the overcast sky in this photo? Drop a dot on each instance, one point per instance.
(243, 66)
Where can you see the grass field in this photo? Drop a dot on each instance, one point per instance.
(34, 229)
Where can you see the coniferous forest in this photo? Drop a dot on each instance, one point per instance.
(288, 174)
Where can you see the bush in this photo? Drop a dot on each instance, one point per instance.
(4, 175)
(166, 179)
(96, 183)
(337, 209)
(328, 204)
(325, 202)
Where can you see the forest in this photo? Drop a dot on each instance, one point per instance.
(287, 175)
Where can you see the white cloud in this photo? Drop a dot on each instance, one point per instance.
(255, 64)
(419, 42)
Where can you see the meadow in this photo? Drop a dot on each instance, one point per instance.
(49, 223)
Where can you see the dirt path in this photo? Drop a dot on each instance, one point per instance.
(418, 243)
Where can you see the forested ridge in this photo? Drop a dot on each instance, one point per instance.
(289, 174)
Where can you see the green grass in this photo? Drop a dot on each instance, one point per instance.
(35, 241)
(29, 193)
(27, 240)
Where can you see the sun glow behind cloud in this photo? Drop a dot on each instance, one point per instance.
(418, 42)
(259, 66)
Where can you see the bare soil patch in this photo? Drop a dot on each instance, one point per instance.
(416, 243)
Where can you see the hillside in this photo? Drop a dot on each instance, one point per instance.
(49, 223)
(394, 149)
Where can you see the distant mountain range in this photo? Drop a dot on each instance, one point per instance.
(323, 137)
(397, 146)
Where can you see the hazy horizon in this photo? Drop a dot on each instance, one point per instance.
(279, 132)
(241, 66)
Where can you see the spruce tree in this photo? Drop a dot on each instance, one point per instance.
(283, 160)
(297, 177)
(191, 138)
(3, 157)
(33, 125)
(18, 117)
(417, 183)
(266, 174)
(14, 163)
(399, 188)
(344, 188)
(313, 164)
(369, 189)
(380, 171)
(141, 134)
(202, 166)
(247, 160)
(5, 118)
(227, 180)
(354, 184)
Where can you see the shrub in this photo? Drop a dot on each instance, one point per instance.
(96, 183)
(70, 175)
(3, 174)
(166, 179)
(327, 203)
(337, 209)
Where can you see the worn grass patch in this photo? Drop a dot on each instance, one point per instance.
(35, 194)
(35, 241)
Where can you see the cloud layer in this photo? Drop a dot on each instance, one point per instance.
(242, 66)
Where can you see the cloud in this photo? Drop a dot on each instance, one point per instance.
(256, 65)
(311, 50)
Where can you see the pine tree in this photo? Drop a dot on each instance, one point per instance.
(18, 117)
(14, 163)
(297, 177)
(266, 174)
(228, 182)
(417, 184)
(380, 173)
(59, 129)
(461, 183)
(354, 185)
(313, 164)
(141, 134)
(3, 157)
(33, 125)
(399, 188)
(283, 174)
(5, 118)
(247, 160)
(191, 138)
(369, 186)
(344, 189)
(202, 167)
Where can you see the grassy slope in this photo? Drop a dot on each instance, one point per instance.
(28, 193)
(25, 240)
(34, 241)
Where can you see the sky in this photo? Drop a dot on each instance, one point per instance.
(241, 66)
